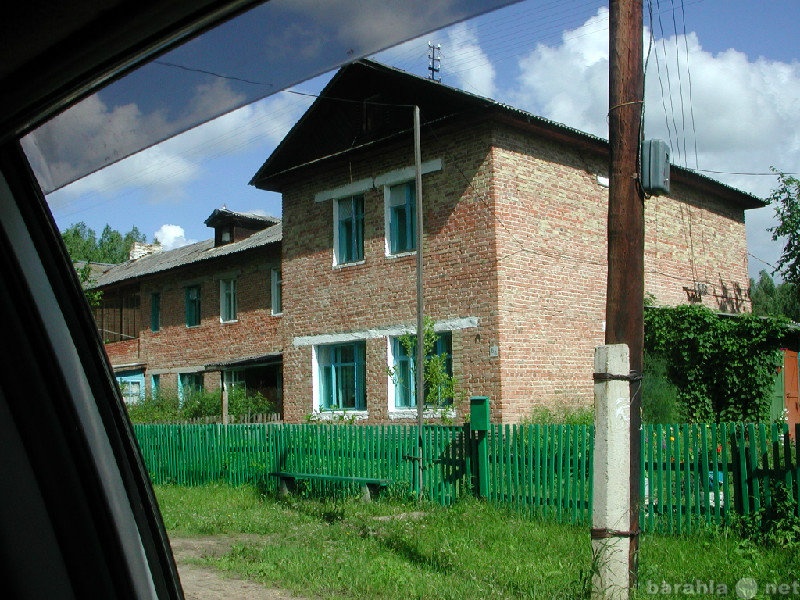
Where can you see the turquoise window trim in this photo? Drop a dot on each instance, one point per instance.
(350, 230)
(342, 376)
(402, 218)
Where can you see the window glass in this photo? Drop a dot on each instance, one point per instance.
(276, 291)
(227, 300)
(188, 385)
(341, 376)
(193, 306)
(402, 218)
(349, 232)
(403, 371)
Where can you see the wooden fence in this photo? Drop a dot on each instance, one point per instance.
(692, 475)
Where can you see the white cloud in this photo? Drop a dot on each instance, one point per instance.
(744, 111)
(171, 236)
(467, 62)
(165, 169)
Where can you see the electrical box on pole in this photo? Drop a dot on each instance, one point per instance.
(655, 167)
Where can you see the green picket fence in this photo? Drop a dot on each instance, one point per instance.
(692, 475)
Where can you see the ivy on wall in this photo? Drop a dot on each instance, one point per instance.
(723, 366)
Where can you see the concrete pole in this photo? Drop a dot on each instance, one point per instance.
(611, 546)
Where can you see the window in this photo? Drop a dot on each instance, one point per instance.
(227, 300)
(155, 385)
(401, 227)
(403, 379)
(193, 306)
(341, 376)
(155, 311)
(276, 291)
(349, 230)
(131, 384)
(233, 380)
(188, 385)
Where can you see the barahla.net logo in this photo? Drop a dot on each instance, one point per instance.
(746, 588)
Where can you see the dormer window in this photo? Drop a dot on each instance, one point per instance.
(230, 226)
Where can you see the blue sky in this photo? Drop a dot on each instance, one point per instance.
(723, 86)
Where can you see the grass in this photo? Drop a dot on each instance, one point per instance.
(394, 549)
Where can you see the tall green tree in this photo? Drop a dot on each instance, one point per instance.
(785, 199)
(774, 300)
(111, 247)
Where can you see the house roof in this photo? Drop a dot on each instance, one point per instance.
(367, 103)
(187, 255)
(224, 216)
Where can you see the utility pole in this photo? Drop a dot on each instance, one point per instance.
(420, 356)
(625, 291)
(434, 62)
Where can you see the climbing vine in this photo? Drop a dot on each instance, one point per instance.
(723, 366)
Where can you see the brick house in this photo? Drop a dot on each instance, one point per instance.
(515, 211)
(198, 316)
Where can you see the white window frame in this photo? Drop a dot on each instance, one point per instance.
(228, 301)
(276, 291)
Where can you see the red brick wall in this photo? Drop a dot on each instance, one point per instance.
(175, 346)
(552, 265)
(516, 236)
(459, 276)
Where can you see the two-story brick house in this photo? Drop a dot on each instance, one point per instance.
(199, 316)
(515, 211)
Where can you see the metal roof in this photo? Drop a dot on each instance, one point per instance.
(186, 255)
(367, 103)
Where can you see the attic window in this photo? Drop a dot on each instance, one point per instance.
(226, 234)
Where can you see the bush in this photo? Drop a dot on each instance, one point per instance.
(166, 408)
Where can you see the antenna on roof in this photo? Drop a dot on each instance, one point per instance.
(434, 61)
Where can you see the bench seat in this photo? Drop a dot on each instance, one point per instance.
(370, 486)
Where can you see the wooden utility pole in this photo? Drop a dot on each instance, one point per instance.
(419, 371)
(625, 291)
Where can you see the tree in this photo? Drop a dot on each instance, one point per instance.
(112, 247)
(786, 201)
(769, 299)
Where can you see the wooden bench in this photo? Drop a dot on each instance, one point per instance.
(370, 486)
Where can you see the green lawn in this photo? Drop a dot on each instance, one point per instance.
(395, 549)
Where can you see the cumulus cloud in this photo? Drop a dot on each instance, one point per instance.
(172, 236)
(165, 169)
(723, 114)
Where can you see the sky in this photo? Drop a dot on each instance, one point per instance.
(722, 87)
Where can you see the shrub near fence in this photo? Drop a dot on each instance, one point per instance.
(692, 475)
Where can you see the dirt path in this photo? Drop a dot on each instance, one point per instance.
(206, 583)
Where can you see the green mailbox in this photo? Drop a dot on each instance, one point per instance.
(479, 413)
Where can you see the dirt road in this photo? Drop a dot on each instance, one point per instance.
(205, 583)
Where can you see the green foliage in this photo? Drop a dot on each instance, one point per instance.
(785, 199)
(159, 409)
(777, 524)
(112, 247)
(565, 415)
(166, 408)
(439, 384)
(93, 296)
(722, 366)
(769, 299)
(659, 395)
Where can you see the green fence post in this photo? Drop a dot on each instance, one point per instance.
(479, 423)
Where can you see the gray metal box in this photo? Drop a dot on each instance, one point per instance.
(655, 167)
